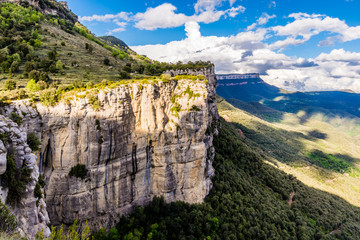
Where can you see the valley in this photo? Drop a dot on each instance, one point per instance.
(99, 142)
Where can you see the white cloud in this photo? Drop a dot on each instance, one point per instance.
(272, 4)
(210, 5)
(106, 17)
(306, 26)
(246, 52)
(255, 50)
(234, 11)
(164, 16)
(116, 30)
(121, 27)
(264, 19)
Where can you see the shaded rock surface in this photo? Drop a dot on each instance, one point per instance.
(32, 217)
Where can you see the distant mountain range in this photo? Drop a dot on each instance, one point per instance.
(251, 88)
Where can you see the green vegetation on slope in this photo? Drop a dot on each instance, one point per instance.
(7, 221)
(317, 153)
(249, 200)
(43, 54)
(328, 161)
(15, 179)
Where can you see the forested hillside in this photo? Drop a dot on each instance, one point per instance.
(42, 54)
(250, 199)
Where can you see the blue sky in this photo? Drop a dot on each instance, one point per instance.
(297, 45)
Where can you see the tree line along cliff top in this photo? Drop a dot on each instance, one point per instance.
(40, 52)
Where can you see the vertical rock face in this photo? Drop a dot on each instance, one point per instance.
(30, 212)
(146, 140)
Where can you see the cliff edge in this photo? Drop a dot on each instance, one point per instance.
(143, 140)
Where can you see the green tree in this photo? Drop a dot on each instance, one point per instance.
(8, 221)
(33, 141)
(31, 86)
(59, 65)
(10, 84)
(34, 74)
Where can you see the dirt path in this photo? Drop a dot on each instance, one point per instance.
(290, 201)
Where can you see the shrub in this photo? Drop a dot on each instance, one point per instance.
(14, 67)
(15, 179)
(7, 220)
(89, 85)
(101, 234)
(29, 66)
(98, 126)
(77, 83)
(54, 85)
(89, 47)
(21, 94)
(94, 101)
(59, 65)
(42, 85)
(74, 233)
(194, 108)
(106, 61)
(78, 171)
(33, 141)
(52, 55)
(31, 86)
(34, 74)
(48, 97)
(44, 77)
(41, 181)
(37, 43)
(127, 68)
(124, 75)
(16, 118)
(176, 109)
(37, 191)
(52, 68)
(10, 85)
(63, 43)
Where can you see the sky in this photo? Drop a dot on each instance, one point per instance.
(296, 45)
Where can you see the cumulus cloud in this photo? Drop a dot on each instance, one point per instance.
(258, 49)
(210, 5)
(121, 27)
(336, 70)
(164, 16)
(245, 52)
(306, 26)
(264, 19)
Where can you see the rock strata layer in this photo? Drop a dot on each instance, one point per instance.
(146, 140)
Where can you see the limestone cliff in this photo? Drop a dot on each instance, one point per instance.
(146, 140)
(30, 212)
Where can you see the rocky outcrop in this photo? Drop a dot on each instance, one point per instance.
(147, 140)
(31, 211)
(48, 7)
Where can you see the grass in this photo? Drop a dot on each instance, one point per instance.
(328, 161)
